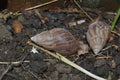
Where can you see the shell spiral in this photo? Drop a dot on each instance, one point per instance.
(97, 35)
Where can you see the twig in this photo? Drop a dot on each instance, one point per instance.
(39, 15)
(14, 63)
(8, 68)
(62, 58)
(104, 57)
(115, 33)
(5, 16)
(11, 64)
(34, 75)
(31, 73)
(110, 13)
(83, 10)
(41, 5)
(106, 48)
(42, 19)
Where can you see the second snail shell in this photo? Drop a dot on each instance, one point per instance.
(97, 35)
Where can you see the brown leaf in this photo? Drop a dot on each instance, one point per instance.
(17, 26)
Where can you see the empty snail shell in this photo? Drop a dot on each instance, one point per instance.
(57, 39)
(97, 35)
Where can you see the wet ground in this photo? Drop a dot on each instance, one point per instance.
(40, 66)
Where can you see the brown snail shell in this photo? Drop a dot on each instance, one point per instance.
(97, 35)
(57, 39)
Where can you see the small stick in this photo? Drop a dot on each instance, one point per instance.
(115, 33)
(14, 63)
(31, 73)
(83, 10)
(65, 60)
(104, 57)
(11, 64)
(8, 68)
(41, 5)
(42, 19)
(106, 48)
(34, 75)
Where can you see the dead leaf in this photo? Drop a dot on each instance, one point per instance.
(17, 26)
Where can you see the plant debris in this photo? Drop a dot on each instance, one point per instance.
(17, 26)
(26, 65)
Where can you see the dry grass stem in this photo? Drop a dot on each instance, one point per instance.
(16, 62)
(65, 60)
(41, 5)
(83, 11)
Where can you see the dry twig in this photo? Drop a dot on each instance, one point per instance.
(41, 5)
(42, 19)
(10, 66)
(5, 16)
(34, 75)
(2, 75)
(83, 10)
(104, 57)
(115, 33)
(14, 63)
(62, 58)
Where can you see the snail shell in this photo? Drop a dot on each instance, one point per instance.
(57, 39)
(97, 35)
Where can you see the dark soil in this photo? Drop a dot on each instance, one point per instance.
(44, 67)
